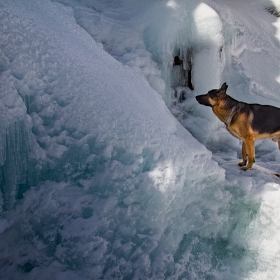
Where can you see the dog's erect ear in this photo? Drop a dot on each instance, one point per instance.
(224, 87)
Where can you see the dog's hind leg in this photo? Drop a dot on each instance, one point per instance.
(244, 155)
(279, 145)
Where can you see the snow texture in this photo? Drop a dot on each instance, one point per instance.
(110, 169)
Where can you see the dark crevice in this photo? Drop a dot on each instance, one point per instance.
(186, 64)
(189, 80)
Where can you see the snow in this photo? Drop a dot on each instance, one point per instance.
(110, 169)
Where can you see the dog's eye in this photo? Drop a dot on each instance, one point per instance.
(212, 94)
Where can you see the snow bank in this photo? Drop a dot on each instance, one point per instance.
(91, 122)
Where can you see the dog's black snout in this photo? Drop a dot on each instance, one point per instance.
(203, 100)
(198, 98)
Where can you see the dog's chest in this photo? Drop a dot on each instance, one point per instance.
(232, 131)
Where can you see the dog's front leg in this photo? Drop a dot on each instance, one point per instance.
(244, 155)
(250, 148)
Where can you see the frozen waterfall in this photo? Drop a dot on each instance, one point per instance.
(109, 167)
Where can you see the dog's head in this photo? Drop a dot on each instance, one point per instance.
(212, 97)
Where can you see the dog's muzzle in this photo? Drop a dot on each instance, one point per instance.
(203, 100)
(198, 98)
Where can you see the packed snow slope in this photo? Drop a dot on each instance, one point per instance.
(109, 167)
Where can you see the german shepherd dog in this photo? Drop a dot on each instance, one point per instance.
(248, 122)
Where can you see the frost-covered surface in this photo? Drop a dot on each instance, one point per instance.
(98, 179)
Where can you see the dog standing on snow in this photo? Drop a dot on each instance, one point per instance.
(248, 122)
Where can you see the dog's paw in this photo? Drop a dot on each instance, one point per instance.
(245, 168)
(242, 163)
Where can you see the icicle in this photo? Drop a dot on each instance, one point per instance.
(14, 152)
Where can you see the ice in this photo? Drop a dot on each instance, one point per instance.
(110, 169)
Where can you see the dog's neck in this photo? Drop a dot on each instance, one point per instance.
(225, 109)
(232, 112)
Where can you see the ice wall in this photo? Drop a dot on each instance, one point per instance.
(193, 32)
